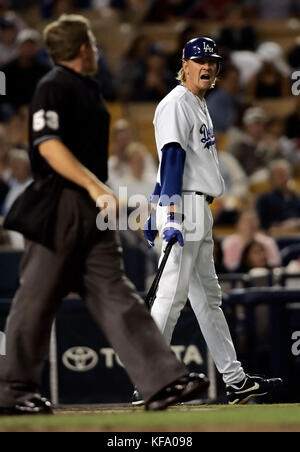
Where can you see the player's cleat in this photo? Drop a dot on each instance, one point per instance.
(137, 399)
(250, 388)
(182, 390)
(34, 405)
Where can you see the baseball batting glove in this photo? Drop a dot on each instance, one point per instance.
(173, 228)
(149, 232)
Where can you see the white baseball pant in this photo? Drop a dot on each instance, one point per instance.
(190, 273)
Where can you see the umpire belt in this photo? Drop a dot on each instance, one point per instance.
(208, 198)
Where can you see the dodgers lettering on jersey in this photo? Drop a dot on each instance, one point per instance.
(181, 117)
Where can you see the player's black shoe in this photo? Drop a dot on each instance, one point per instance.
(137, 399)
(182, 390)
(34, 405)
(250, 388)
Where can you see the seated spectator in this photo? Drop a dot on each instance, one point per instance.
(10, 15)
(237, 34)
(223, 103)
(245, 148)
(279, 210)
(272, 81)
(156, 80)
(235, 178)
(16, 129)
(276, 145)
(9, 49)
(247, 232)
(131, 65)
(254, 256)
(136, 179)
(23, 73)
(20, 177)
(122, 136)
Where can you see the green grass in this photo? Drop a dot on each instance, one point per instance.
(203, 418)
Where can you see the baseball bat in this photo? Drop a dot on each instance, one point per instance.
(153, 289)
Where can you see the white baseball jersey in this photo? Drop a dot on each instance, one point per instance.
(181, 117)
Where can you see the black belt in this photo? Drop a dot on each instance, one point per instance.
(208, 198)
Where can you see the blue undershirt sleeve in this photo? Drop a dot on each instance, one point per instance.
(171, 169)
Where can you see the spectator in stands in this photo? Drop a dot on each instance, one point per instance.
(137, 179)
(122, 136)
(131, 65)
(276, 145)
(245, 147)
(224, 102)
(279, 210)
(274, 9)
(16, 128)
(156, 80)
(272, 80)
(237, 34)
(20, 177)
(254, 256)
(10, 16)
(9, 49)
(247, 232)
(293, 122)
(235, 178)
(4, 237)
(23, 73)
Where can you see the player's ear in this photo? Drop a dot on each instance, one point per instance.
(185, 66)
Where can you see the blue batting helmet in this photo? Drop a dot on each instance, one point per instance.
(200, 48)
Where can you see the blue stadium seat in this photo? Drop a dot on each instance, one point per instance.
(9, 272)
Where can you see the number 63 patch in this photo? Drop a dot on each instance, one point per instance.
(42, 119)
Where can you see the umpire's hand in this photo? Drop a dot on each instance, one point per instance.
(98, 190)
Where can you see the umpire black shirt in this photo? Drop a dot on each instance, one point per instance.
(69, 107)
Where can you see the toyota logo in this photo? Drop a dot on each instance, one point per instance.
(80, 359)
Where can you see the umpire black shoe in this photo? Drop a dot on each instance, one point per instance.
(182, 390)
(250, 388)
(34, 405)
(137, 399)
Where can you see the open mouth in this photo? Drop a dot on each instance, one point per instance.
(205, 77)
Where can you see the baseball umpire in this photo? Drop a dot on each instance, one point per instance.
(189, 171)
(69, 138)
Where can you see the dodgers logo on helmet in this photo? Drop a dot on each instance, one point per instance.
(200, 48)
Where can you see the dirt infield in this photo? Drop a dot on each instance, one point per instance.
(215, 418)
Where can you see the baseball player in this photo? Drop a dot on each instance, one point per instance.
(188, 180)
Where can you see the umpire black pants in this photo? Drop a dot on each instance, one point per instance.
(90, 262)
